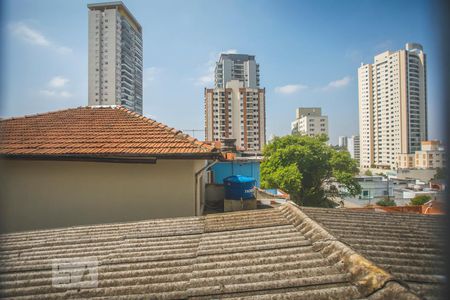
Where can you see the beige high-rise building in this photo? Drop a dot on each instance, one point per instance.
(310, 121)
(115, 56)
(236, 107)
(236, 112)
(392, 96)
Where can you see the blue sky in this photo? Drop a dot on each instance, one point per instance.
(308, 52)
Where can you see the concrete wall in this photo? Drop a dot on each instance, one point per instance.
(424, 175)
(46, 194)
(214, 195)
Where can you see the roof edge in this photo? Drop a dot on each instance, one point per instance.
(113, 157)
(368, 277)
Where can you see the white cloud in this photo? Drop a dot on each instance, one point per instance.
(56, 94)
(34, 37)
(29, 34)
(63, 49)
(58, 81)
(229, 51)
(65, 94)
(207, 76)
(55, 88)
(339, 83)
(205, 80)
(290, 89)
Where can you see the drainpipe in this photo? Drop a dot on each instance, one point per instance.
(197, 175)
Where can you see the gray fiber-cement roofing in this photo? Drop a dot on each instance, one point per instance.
(280, 253)
(409, 246)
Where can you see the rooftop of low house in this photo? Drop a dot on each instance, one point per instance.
(100, 132)
(289, 252)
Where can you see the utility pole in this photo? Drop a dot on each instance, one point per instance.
(389, 198)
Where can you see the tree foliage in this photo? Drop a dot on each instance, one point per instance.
(386, 202)
(303, 166)
(368, 173)
(420, 199)
(441, 173)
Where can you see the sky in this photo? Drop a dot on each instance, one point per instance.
(308, 51)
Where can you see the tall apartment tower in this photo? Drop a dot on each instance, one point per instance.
(310, 121)
(343, 141)
(115, 56)
(392, 96)
(353, 147)
(235, 107)
(241, 67)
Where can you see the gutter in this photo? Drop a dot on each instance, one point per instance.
(112, 157)
(109, 158)
(197, 175)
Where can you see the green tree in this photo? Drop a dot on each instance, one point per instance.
(368, 173)
(441, 173)
(305, 167)
(386, 202)
(420, 199)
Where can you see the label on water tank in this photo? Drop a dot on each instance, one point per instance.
(249, 191)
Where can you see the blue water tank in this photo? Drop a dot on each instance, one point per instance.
(239, 187)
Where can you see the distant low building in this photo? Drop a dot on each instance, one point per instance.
(431, 156)
(408, 194)
(373, 187)
(310, 121)
(97, 165)
(424, 175)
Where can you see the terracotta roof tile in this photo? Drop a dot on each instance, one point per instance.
(97, 131)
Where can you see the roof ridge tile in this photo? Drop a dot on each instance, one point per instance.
(365, 274)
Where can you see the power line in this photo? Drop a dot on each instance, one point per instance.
(193, 131)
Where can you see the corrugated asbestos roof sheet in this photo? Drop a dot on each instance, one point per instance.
(409, 246)
(94, 131)
(260, 254)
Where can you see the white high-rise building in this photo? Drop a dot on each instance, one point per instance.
(343, 141)
(353, 147)
(240, 67)
(310, 121)
(115, 56)
(236, 112)
(392, 106)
